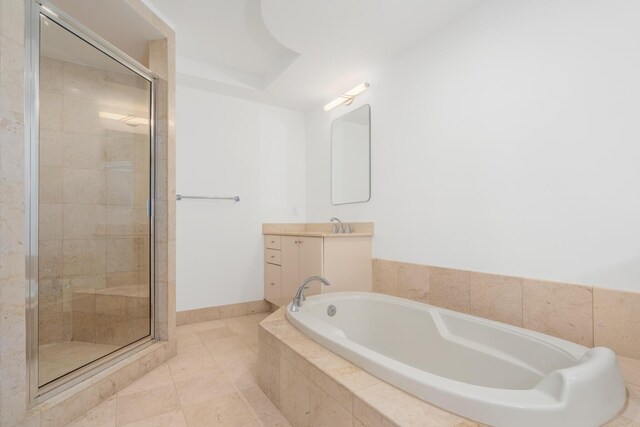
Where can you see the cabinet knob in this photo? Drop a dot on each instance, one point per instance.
(272, 284)
(272, 256)
(273, 241)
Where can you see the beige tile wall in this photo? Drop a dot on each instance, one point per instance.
(162, 62)
(586, 315)
(111, 318)
(13, 389)
(616, 318)
(13, 328)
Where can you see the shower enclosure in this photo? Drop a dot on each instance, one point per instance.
(91, 231)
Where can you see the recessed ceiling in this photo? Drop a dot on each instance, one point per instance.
(226, 42)
(296, 53)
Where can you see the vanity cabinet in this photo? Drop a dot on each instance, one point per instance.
(302, 257)
(289, 259)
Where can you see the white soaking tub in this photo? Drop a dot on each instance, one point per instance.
(487, 371)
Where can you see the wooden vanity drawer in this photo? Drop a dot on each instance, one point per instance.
(271, 242)
(272, 256)
(273, 283)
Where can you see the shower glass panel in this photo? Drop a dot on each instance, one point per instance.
(94, 190)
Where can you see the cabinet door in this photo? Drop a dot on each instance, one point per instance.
(290, 267)
(311, 261)
(272, 284)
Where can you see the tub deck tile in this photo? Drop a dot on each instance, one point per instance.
(333, 388)
(269, 372)
(300, 362)
(344, 373)
(326, 411)
(630, 369)
(632, 409)
(404, 409)
(620, 422)
(364, 415)
(307, 348)
(294, 395)
(336, 390)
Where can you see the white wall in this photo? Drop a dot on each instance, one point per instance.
(507, 143)
(226, 147)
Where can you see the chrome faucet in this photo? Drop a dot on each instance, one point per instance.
(297, 300)
(340, 227)
(337, 228)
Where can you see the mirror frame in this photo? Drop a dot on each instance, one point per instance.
(368, 106)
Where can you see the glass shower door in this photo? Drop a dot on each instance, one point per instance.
(94, 230)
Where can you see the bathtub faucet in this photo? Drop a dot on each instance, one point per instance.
(297, 300)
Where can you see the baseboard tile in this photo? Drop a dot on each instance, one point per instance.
(220, 312)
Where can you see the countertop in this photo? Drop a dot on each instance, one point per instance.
(317, 234)
(359, 229)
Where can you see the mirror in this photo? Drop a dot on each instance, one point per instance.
(351, 157)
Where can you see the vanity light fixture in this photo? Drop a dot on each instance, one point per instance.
(347, 97)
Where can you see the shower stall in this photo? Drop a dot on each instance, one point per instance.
(90, 192)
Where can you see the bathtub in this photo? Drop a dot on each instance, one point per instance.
(484, 370)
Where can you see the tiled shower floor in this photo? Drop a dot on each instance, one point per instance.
(59, 359)
(211, 382)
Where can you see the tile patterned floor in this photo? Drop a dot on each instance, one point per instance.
(211, 382)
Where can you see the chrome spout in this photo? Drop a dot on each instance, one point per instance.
(297, 300)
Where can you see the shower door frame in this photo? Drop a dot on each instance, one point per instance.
(33, 9)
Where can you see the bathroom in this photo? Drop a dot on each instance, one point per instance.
(319, 213)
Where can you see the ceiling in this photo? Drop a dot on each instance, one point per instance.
(296, 53)
(123, 28)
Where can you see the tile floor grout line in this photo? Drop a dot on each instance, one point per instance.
(224, 370)
(246, 402)
(173, 383)
(115, 420)
(258, 419)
